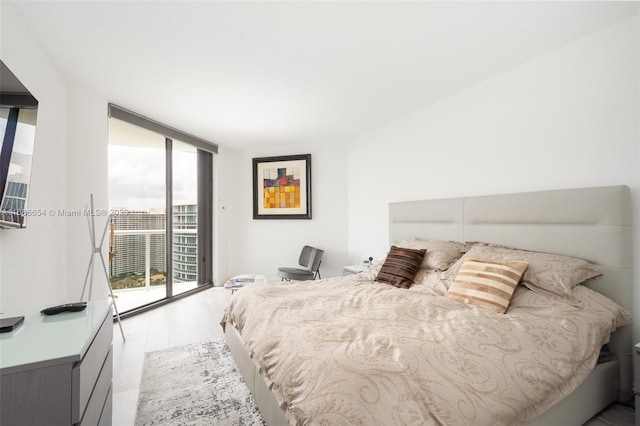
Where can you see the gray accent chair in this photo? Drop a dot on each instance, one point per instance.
(310, 260)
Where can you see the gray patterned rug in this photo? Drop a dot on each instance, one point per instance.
(196, 384)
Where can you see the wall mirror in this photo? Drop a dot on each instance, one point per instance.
(18, 114)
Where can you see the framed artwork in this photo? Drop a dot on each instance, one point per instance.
(282, 187)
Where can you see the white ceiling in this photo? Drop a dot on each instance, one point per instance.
(242, 73)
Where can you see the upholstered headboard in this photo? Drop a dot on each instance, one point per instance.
(589, 223)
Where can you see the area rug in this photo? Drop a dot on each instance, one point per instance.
(197, 384)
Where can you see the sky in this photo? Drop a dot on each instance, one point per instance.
(137, 177)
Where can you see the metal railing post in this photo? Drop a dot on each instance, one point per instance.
(147, 260)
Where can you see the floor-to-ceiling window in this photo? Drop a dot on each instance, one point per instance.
(160, 197)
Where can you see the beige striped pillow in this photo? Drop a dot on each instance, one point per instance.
(488, 284)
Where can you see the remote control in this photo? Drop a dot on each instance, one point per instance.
(67, 307)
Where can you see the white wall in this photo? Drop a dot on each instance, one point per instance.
(567, 119)
(45, 263)
(226, 166)
(261, 246)
(33, 270)
(87, 173)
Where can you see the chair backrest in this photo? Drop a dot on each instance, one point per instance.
(310, 258)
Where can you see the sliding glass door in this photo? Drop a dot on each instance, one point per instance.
(160, 200)
(185, 217)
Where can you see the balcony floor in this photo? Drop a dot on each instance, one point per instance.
(127, 299)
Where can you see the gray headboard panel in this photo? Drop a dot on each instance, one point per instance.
(434, 219)
(588, 223)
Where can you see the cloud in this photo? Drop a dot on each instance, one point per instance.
(137, 177)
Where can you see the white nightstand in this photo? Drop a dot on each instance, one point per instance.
(240, 281)
(354, 269)
(636, 381)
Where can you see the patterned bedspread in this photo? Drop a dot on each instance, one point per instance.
(350, 350)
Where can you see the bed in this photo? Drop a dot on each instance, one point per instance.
(351, 350)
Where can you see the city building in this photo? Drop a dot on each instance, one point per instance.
(131, 246)
(185, 243)
(14, 200)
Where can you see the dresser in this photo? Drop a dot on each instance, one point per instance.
(636, 381)
(57, 370)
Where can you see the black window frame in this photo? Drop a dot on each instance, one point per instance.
(205, 152)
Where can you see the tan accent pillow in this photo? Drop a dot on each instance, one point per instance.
(488, 284)
(440, 254)
(549, 272)
(400, 266)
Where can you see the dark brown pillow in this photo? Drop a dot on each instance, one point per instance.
(400, 266)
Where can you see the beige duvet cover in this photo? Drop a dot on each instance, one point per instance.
(352, 351)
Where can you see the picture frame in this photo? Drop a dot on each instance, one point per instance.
(282, 187)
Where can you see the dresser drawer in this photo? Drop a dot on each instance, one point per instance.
(107, 410)
(85, 373)
(98, 398)
(636, 365)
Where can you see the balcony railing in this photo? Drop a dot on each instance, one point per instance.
(129, 298)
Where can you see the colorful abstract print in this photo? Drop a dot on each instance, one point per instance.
(281, 188)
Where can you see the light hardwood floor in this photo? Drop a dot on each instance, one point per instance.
(189, 320)
(197, 319)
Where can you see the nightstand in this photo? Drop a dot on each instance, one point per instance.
(636, 381)
(353, 269)
(240, 281)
